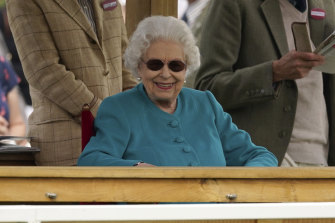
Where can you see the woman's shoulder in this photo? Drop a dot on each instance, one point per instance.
(128, 94)
(200, 99)
(192, 92)
(197, 94)
(122, 98)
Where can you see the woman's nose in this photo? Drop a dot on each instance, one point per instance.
(165, 72)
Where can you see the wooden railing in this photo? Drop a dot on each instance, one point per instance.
(229, 193)
(166, 184)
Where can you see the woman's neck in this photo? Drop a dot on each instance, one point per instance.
(167, 106)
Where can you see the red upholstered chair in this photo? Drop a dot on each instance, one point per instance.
(87, 126)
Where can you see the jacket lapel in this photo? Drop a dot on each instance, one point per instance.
(98, 13)
(273, 17)
(316, 27)
(74, 11)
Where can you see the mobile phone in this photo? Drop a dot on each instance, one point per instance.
(301, 37)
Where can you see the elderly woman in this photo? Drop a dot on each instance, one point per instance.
(161, 123)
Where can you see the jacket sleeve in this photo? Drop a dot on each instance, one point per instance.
(237, 146)
(220, 47)
(40, 58)
(112, 136)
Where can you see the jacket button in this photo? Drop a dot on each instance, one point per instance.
(187, 149)
(192, 163)
(179, 139)
(282, 134)
(106, 73)
(93, 41)
(289, 84)
(287, 108)
(173, 124)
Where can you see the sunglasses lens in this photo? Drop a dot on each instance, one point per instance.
(155, 65)
(176, 65)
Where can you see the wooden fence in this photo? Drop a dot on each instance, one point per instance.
(304, 191)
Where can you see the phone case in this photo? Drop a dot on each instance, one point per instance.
(301, 37)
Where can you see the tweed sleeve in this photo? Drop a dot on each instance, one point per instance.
(40, 58)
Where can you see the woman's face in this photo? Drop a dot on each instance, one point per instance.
(163, 83)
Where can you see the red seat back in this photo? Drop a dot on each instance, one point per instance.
(87, 126)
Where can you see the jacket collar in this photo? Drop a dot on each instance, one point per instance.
(272, 12)
(71, 7)
(273, 17)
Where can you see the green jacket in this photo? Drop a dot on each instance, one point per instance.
(240, 39)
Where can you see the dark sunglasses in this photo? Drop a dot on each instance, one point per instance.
(156, 64)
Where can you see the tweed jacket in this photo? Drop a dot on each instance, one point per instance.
(131, 128)
(240, 40)
(67, 65)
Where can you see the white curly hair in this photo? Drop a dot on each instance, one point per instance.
(154, 28)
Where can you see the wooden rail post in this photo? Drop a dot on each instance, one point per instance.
(136, 10)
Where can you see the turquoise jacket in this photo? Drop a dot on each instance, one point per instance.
(130, 128)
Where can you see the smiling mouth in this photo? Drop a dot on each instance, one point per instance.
(164, 86)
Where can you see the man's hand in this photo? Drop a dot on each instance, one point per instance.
(295, 65)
